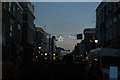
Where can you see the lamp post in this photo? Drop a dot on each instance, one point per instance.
(39, 47)
(39, 50)
(96, 41)
(52, 47)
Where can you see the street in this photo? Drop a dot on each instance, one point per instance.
(60, 40)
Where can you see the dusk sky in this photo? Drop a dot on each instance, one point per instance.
(66, 19)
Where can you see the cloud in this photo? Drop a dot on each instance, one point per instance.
(71, 37)
(68, 43)
(60, 38)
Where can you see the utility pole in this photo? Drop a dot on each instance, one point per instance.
(52, 47)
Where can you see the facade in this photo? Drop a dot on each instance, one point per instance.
(39, 35)
(53, 47)
(77, 49)
(107, 24)
(28, 30)
(17, 31)
(28, 22)
(45, 43)
(89, 34)
(42, 42)
(11, 29)
(88, 43)
(82, 47)
(89, 37)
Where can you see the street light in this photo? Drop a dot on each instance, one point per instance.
(45, 54)
(41, 54)
(39, 47)
(96, 59)
(36, 56)
(96, 41)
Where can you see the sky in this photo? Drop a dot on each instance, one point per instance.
(65, 19)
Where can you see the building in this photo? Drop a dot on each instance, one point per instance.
(43, 43)
(42, 39)
(28, 30)
(107, 24)
(58, 52)
(89, 34)
(39, 35)
(89, 39)
(53, 47)
(82, 47)
(88, 43)
(18, 31)
(77, 49)
(11, 29)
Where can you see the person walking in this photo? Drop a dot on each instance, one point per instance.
(95, 72)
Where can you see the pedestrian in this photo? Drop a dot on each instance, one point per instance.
(95, 72)
(68, 59)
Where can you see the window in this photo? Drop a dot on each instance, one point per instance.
(3, 34)
(13, 8)
(11, 30)
(25, 17)
(114, 20)
(10, 27)
(4, 5)
(119, 16)
(11, 21)
(19, 27)
(9, 6)
(21, 12)
(110, 22)
(10, 34)
(18, 9)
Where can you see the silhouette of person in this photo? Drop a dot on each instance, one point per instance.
(68, 59)
(95, 72)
